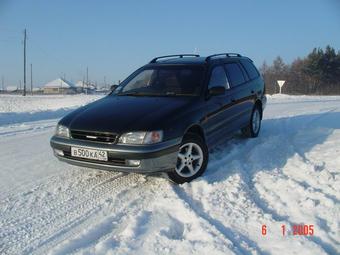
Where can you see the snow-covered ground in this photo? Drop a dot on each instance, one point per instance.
(289, 175)
(18, 109)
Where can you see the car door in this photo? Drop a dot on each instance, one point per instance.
(217, 114)
(240, 95)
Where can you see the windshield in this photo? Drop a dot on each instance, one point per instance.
(164, 81)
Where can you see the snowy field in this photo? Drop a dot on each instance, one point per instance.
(289, 175)
(18, 109)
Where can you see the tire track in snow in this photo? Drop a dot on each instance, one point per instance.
(96, 228)
(26, 128)
(139, 205)
(30, 226)
(242, 244)
(289, 143)
(286, 142)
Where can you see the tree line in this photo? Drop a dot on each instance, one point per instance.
(316, 74)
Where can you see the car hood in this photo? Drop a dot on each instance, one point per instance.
(120, 114)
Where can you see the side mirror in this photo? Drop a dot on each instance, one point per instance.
(113, 87)
(216, 91)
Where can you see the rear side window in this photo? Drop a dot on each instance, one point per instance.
(250, 68)
(235, 74)
(218, 78)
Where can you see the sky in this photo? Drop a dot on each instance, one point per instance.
(113, 38)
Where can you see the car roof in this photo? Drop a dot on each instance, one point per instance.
(196, 60)
(186, 60)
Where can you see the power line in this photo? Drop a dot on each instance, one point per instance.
(46, 53)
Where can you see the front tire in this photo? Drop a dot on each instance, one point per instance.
(254, 126)
(192, 159)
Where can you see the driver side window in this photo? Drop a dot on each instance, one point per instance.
(218, 78)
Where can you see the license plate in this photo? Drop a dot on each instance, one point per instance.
(89, 153)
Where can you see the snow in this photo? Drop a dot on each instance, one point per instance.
(83, 84)
(59, 83)
(19, 109)
(11, 88)
(289, 175)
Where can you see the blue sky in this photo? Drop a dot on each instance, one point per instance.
(113, 38)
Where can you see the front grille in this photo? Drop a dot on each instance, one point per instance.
(111, 160)
(94, 136)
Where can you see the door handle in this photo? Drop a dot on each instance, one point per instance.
(233, 100)
(252, 91)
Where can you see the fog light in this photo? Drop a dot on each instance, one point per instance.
(58, 152)
(133, 162)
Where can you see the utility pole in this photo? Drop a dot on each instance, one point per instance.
(3, 83)
(83, 84)
(24, 93)
(87, 79)
(31, 81)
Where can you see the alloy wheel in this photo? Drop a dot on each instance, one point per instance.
(189, 159)
(256, 121)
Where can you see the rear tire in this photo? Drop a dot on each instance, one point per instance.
(192, 159)
(254, 126)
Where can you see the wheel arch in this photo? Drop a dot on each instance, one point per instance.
(258, 104)
(195, 129)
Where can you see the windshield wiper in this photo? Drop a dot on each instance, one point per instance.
(167, 94)
(177, 94)
(129, 94)
(138, 94)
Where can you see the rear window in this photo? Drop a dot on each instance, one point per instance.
(235, 74)
(250, 68)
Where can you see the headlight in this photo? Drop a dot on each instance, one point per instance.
(141, 137)
(62, 131)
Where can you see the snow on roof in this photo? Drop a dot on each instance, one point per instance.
(82, 84)
(11, 88)
(59, 83)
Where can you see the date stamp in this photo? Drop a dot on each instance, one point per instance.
(295, 230)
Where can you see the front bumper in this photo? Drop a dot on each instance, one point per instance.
(161, 157)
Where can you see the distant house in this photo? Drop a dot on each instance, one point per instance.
(83, 87)
(102, 90)
(59, 86)
(37, 90)
(12, 89)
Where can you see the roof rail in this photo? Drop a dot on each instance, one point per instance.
(250, 59)
(177, 55)
(223, 54)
